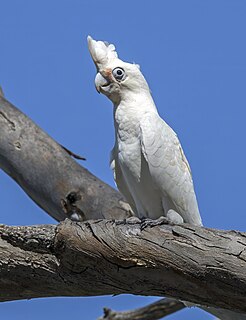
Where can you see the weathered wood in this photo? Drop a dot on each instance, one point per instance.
(153, 311)
(203, 266)
(45, 171)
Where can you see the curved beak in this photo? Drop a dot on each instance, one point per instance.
(100, 82)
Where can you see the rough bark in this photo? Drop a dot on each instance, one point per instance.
(200, 265)
(56, 182)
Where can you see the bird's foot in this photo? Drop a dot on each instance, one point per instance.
(131, 220)
(146, 222)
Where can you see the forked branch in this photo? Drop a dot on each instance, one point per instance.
(203, 266)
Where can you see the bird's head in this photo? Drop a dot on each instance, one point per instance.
(115, 78)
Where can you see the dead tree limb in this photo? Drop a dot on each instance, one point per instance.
(153, 311)
(46, 172)
(204, 266)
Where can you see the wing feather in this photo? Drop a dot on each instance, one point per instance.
(168, 166)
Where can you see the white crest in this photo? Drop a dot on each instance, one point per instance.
(101, 51)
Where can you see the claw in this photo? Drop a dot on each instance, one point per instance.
(146, 222)
(130, 221)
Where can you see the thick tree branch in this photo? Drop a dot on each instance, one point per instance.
(101, 257)
(47, 173)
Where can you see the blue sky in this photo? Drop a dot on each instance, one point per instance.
(193, 56)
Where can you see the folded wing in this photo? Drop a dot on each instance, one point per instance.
(169, 167)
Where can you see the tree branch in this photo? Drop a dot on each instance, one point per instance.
(47, 173)
(153, 311)
(203, 266)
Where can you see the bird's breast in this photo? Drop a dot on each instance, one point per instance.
(127, 124)
(129, 155)
(127, 132)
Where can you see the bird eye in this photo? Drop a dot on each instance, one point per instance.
(118, 73)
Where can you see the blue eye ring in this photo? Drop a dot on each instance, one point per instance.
(118, 73)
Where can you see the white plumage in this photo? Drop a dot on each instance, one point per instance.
(150, 167)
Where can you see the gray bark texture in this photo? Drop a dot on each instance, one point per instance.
(47, 173)
(100, 257)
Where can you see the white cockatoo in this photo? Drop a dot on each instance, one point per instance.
(150, 168)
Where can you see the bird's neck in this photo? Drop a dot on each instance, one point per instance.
(138, 102)
(130, 110)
